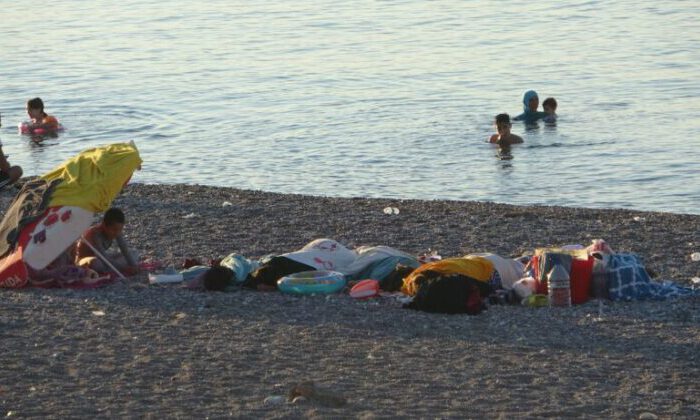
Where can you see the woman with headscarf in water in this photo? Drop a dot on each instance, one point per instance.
(530, 103)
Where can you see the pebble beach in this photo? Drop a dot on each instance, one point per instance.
(159, 351)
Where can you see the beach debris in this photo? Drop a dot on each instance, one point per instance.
(430, 256)
(226, 204)
(98, 313)
(639, 219)
(274, 400)
(648, 416)
(391, 210)
(695, 256)
(310, 391)
(189, 216)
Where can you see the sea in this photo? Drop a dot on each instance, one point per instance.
(391, 99)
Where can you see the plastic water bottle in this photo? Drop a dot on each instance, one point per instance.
(559, 287)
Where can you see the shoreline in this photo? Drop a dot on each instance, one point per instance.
(419, 199)
(132, 349)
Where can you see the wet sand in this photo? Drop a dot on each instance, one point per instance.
(134, 350)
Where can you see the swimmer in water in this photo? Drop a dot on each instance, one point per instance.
(530, 113)
(504, 138)
(550, 108)
(40, 119)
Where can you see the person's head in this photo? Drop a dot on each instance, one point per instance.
(35, 108)
(113, 223)
(550, 105)
(531, 101)
(503, 123)
(217, 278)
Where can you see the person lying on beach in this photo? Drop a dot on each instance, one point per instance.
(101, 237)
(530, 113)
(504, 137)
(8, 174)
(40, 119)
(550, 108)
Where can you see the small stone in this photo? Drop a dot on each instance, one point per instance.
(648, 416)
(274, 400)
(299, 400)
(98, 313)
(189, 216)
(226, 204)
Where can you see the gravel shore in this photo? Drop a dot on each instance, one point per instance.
(134, 350)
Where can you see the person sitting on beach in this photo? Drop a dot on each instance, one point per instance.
(550, 108)
(8, 174)
(530, 113)
(504, 138)
(40, 119)
(101, 237)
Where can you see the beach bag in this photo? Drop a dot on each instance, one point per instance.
(577, 263)
(454, 294)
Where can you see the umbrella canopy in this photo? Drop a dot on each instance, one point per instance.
(94, 177)
(89, 182)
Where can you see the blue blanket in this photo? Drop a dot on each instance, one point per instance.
(629, 280)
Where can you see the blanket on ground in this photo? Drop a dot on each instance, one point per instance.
(629, 280)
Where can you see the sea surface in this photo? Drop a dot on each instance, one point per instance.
(369, 98)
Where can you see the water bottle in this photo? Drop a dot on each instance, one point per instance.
(559, 287)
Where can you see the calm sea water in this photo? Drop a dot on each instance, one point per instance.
(369, 98)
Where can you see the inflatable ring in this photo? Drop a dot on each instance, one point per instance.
(23, 128)
(310, 282)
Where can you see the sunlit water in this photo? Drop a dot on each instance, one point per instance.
(369, 98)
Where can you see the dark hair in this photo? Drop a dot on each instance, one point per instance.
(217, 278)
(112, 216)
(36, 103)
(550, 102)
(502, 119)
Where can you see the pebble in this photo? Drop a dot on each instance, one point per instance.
(274, 400)
(98, 313)
(189, 216)
(299, 400)
(648, 416)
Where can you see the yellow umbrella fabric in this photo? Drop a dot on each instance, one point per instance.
(93, 178)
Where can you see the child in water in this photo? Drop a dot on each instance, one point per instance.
(8, 174)
(530, 113)
(39, 118)
(550, 108)
(101, 238)
(504, 138)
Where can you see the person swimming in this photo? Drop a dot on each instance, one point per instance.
(550, 108)
(40, 120)
(530, 113)
(504, 138)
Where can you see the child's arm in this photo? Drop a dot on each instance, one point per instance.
(494, 138)
(124, 248)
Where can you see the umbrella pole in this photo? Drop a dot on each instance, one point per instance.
(104, 259)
